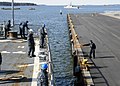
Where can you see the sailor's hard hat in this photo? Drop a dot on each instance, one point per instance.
(44, 66)
(31, 30)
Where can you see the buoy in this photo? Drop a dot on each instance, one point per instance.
(61, 12)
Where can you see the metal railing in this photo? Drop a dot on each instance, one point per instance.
(50, 64)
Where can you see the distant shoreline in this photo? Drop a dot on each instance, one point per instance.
(33, 4)
(17, 4)
(115, 14)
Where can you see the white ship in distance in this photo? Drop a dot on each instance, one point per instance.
(70, 6)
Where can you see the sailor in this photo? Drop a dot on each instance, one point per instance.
(93, 48)
(31, 44)
(20, 28)
(42, 79)
(7, 28)
(25, 25)
(42, 36)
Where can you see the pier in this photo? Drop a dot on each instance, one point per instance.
(104, 70)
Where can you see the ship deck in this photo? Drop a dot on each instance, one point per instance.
(17, 68)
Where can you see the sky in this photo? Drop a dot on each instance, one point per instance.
(66, 2)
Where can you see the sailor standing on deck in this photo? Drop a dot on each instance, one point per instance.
(20, 28)
(42, 36)
(42, 79)
(31, 44)
(25, 25)
(7, 28)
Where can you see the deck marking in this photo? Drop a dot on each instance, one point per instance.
(21, 46)
(5, 40)
(19, 52)
(5, 52)
(36, 68)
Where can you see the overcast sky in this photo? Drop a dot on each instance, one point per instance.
(65, 2)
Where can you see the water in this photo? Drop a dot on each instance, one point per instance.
(56, 25)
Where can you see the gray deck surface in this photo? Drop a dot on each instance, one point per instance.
(15, 63)
(105, 32)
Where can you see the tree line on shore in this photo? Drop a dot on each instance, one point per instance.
(16, 4)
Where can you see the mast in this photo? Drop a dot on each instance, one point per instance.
(13, 13)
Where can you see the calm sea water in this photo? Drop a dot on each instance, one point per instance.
(56, 25)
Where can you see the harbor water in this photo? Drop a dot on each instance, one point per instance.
(57, 28)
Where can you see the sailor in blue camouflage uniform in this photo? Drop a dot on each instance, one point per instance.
(42, 79)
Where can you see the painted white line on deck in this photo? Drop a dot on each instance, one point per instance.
(5, 40)
(19, 52)
(36, 68)
(21, 46)
(5, 52)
